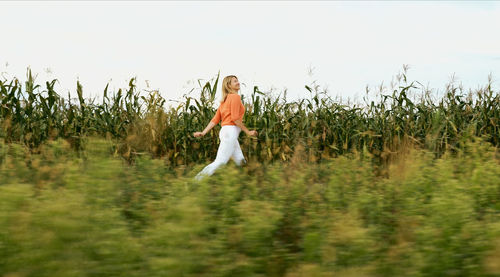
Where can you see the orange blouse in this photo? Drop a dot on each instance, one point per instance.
(230, 110)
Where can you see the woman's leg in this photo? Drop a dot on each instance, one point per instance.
(224, 152)
(237, 156)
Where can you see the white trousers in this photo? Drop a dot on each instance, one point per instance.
(229, 148)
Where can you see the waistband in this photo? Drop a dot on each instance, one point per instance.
(231, 126)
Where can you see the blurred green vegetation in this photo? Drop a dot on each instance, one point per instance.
(91, 213)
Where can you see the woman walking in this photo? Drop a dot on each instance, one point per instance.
(230, 111)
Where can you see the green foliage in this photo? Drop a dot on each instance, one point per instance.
(141, 124)
(89, 213)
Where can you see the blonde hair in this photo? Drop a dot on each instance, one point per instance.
(225, 86)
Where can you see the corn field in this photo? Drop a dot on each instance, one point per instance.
(32, 114)
(407, 185)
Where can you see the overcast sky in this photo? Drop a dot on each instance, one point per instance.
(349, 45)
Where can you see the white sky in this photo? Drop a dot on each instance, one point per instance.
(269, 44)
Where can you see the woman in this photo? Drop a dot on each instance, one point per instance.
(231, 112)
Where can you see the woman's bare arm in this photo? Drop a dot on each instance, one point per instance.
(240, 124)
(208, 128)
